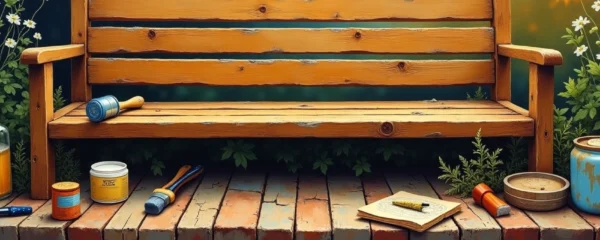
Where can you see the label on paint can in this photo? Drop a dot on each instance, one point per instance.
(68, 201)
(109, 182)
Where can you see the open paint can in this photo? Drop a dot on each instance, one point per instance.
(66, 201)
(109, 182)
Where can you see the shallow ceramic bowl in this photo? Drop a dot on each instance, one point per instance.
(536, 191)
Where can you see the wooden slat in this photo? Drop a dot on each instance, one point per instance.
(9, 226)
(291, 40)
(518, 225)
(291, 72)
(163, 226)
(41, 225)
(304, 112)
(541, 108)
(90, 226)
(125, 223)
(592, 220)
(41, 111)
(350, 105)
(541, 56)
(563, 223)
(293, 126)
(376, 188)
(66, 110)
(313, 221)
(198, 220)
(346, 195)
(239, 213)
(514, 108)
(80, 90)
(416, 184)
(41, 55)
(7, 200)
(474, 222)
(358, 10)
(278, 211)
(501, 91)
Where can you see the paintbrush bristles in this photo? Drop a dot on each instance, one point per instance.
(156, 203)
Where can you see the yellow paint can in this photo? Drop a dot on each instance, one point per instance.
(109, 182)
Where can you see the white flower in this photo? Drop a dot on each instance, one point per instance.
(11, 43)
(29, 23)
(598, 56)
(580, 22)
(580, 50)
(14, 19)
(37, 36)
(596, 5)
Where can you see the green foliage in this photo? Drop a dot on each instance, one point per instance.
(517, 156)
(20, 168)
(67, 166)
(479, 95)
(485, 169)
(58, 99)
(564, 134)
(239, 151)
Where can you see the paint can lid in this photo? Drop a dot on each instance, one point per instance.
(65, 186)
(590, 143)
(109, 169)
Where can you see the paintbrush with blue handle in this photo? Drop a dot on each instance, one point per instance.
(15, 211)
(162, 197)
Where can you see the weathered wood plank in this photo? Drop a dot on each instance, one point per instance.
(514, 108)
(404, 126)
(346, 196)
(540, 56)
(592, 220)
(198, 220)
(41, 225)
(41, 111)
(303, 112)
(125, 223)
(90, 226)
(349, 105)
(474, 222)
(358, 10)
(541, 107)
(69, 109)
(563, 223)
(313, 220)
(41, 55)
(278, 211)
(291, 72)
(291, 40)
(376, 188)
(9, 226)
(81, 91)
(518, 225)
(164, 226)
(501, 91)
(7, 200)
(416, 184)
(240, 209)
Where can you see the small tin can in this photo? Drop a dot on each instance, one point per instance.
(66, 201)
(585, 169)
(109, 182)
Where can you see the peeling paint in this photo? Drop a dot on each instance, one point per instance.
(307, 61)
(122, 80)
(275, 50)
(250, 31)
(589, 170)
(261, 61)
(225, 60)
(434, 135)
(207, 123)
(336, 30)
(309, 125)
(432, 100)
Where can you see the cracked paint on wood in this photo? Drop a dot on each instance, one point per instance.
(563, 223)
(9, 227)
(376, 189)
(198, 220)
(313, 220)
(346, 196)
(277, 214)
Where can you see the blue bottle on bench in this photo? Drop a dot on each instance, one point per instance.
(585, 174)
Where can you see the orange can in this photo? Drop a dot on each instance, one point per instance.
(66, 201)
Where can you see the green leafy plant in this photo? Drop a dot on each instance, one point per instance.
(67, 166)
(323, 162)
(564, 134)
(240, 151)
(479, 95)
(484, 169)
(517, 156)
(20, 168)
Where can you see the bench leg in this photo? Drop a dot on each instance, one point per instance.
(41, 111)
(541, 106)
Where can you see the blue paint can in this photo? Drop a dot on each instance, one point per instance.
(102, 108)
(585, 174)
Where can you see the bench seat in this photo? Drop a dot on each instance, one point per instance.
(403, 119)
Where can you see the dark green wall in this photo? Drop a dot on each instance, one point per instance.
(535, 22)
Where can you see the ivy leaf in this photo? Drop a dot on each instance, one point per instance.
(581, 114)
(157, 167)
(13, 64)
(596, 126)
(592, 113)
(9, 89)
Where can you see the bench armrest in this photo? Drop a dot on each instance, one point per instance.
(540, 56)
(40, 55)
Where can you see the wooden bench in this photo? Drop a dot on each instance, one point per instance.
(94, 63)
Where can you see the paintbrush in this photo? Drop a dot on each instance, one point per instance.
(15, 211)
(162, 197)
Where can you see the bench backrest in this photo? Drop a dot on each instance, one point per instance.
(104, 43)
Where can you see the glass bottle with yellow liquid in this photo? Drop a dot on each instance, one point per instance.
(5, 174)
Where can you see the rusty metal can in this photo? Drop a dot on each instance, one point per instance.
(585, 169)
(66, 201)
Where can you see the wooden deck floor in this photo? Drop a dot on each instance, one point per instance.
(268, 206)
